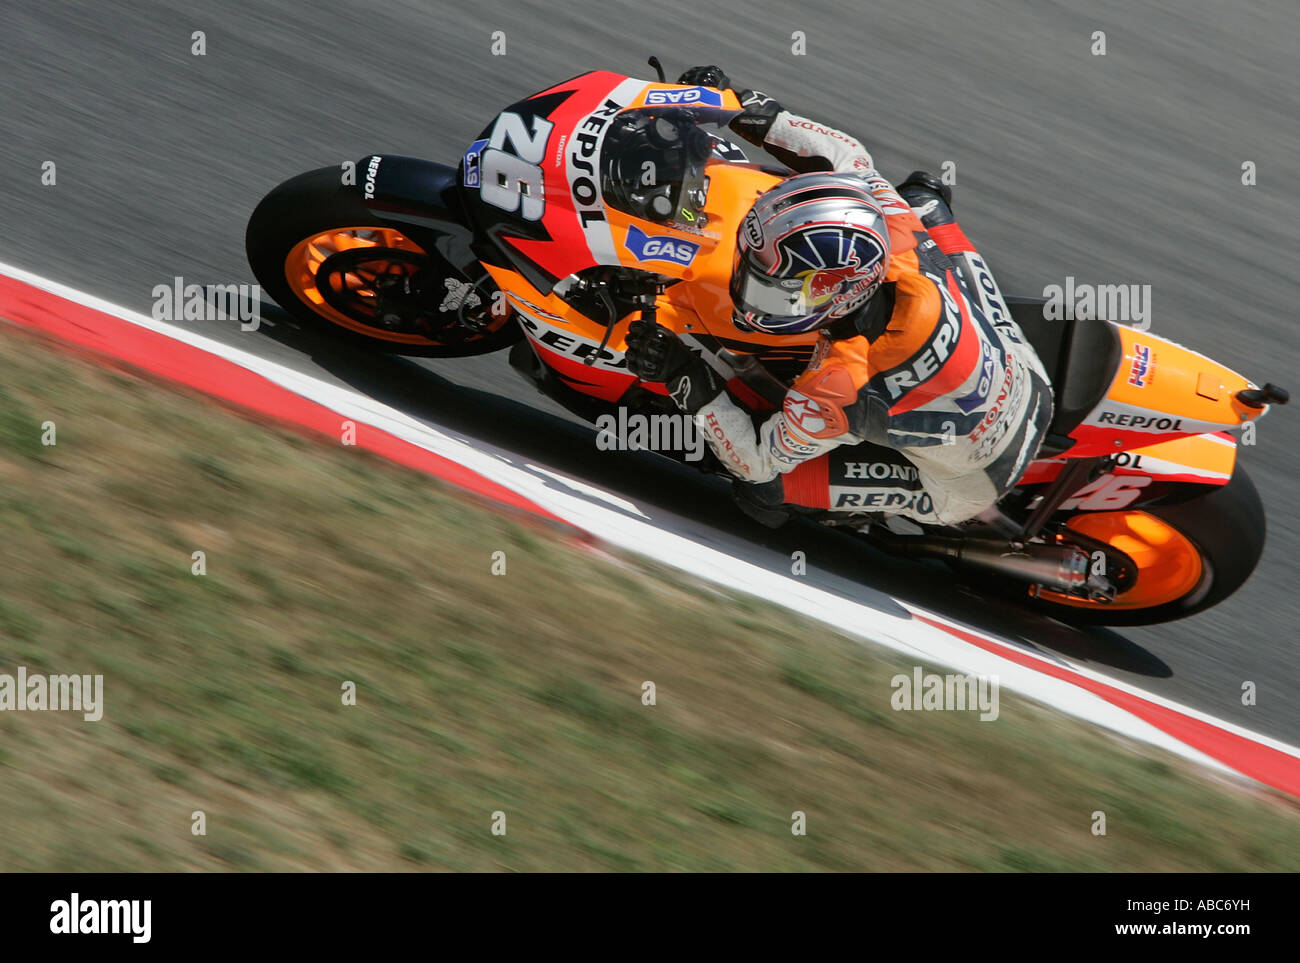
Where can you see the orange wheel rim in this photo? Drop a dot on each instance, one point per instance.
(1169, 565)
(304, 261)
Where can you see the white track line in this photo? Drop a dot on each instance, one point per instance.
(680, 543)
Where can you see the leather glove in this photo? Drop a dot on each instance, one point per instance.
(760, 109)
(705, 77)
(756, 121)
(658, 355)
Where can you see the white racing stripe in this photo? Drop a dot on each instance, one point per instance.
(600, 239)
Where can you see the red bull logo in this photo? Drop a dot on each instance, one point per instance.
(835, 285)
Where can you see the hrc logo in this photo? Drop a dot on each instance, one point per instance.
(1137, 372)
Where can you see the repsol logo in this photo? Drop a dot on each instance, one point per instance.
(992, 298)
(929, 361)
(570, 345)
(372, 170)
(585, 143)
(1145, 422)
(879, 470)
(917, 503)
(785, 448)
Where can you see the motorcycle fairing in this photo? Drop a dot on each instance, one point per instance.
(1163, 408)
(1160, 391)
(564, 338)
(531, 181)
(1146, 475)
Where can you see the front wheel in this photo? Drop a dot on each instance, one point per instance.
(328, 260)
(1188, 556)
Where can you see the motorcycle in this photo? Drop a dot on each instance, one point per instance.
(1134, 512)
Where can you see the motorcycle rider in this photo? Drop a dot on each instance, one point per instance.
(922, 398)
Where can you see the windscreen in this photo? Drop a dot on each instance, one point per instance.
(653, 162)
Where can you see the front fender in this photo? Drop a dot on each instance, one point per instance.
(423, 198)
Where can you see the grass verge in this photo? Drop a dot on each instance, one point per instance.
(518, 693)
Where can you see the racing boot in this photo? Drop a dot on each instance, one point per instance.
(931, 201)
(762, 501)
(929, 197)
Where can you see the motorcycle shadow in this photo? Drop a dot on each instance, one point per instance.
(473, 397)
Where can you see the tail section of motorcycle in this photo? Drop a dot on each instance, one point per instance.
(1139, 514)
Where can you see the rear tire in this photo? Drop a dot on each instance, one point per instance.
(1227, 527)
(315, 203)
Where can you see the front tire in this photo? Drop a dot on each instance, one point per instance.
(337, 266)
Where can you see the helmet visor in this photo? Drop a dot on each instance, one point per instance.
(774, 304)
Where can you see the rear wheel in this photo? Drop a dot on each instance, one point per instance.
(1188, 556)
(325, 257)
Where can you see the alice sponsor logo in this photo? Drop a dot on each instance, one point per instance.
(1122, 303)
(957, 692)
(179, 301)
(632, 431)
(75, 916)
(52, 693)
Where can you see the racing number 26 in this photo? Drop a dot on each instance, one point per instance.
(1108, 493)
(512, 178)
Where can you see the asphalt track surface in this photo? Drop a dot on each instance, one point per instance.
(1123, 168)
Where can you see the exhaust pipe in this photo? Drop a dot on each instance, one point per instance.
(1060, 568)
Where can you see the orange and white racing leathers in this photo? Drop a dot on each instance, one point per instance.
(928, 403)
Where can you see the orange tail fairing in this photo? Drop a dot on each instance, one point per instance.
(1198, 459)
(1161, 391)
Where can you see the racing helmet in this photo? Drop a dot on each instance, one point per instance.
(811, 250)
